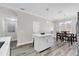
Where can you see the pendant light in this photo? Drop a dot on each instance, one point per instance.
(47, 10)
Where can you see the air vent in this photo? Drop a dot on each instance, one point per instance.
(22, 9)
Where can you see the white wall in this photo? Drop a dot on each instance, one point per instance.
(1, 25)
(42, 26)
(46, 26)
(24, 28)
(74, 22)
(36, 27)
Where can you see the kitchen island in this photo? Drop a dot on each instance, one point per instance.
(42, 42)
(5, 49)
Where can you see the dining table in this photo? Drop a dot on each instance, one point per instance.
(66, 36)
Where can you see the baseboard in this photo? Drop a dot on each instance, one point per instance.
(14, 41)
(21, 44)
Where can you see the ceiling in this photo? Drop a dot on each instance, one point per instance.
(57, 11)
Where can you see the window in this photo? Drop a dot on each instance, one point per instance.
(65, 26)
(9, 25)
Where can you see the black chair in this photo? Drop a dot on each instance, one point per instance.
(75, 38)
(58, 36)
(72, 38)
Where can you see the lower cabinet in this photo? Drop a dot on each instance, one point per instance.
(43, 42)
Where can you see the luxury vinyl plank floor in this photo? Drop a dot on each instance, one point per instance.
(63, 49)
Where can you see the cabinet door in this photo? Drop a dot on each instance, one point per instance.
(50, 41)
(41, 43)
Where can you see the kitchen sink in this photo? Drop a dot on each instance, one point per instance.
(1, 44)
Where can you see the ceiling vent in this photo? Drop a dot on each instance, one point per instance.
(22, 9)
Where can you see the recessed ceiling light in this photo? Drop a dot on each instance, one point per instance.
(60, 11)
(51, 29)
(47, 21)
(13, 19)
(22, 9)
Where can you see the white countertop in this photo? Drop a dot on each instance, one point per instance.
(5, 49)
(39, 35)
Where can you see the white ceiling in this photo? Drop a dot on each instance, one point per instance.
(57, 11)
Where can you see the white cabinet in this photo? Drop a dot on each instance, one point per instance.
(42, 42)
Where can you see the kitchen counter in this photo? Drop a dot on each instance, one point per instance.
(42, 42)
(5, 49)
(39, 35)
